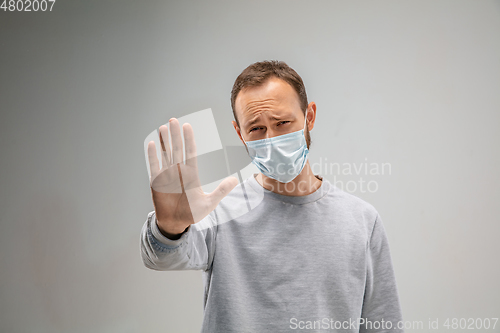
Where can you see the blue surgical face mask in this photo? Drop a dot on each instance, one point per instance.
(281, 157)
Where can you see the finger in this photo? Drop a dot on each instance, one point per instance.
(175, 133)
(190, 145)
(154, 164)
(165, 146)
(222, 190)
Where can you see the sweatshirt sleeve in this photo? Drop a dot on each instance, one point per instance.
(381, 305)
(193, 251)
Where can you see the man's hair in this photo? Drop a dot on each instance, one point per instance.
(258, 73)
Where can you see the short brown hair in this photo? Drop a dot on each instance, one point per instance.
(258, 73)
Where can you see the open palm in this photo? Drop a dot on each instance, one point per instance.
(178, 197)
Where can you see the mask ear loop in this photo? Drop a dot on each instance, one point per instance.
(244, 140)
(305, 121)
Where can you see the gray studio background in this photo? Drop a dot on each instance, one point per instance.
(410, 83)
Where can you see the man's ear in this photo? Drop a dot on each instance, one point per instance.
(311, 115)
(238, 131)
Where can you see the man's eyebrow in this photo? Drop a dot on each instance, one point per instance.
(255, 120)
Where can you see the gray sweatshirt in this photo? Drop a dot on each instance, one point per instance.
(276, 263)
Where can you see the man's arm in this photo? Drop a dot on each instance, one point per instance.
(192, 251)
(381, 300)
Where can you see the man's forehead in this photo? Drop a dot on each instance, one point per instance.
(274, 94)
(272, 88)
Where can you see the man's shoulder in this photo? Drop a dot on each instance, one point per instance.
(351, 203)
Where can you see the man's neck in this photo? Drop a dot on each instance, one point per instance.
(305, 183)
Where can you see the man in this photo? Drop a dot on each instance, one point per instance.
(309, 256)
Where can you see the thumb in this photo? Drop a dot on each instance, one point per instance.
(222, 190)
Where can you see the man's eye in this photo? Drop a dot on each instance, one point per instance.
(254, 129)
(283, 122)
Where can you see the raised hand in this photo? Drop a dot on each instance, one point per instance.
(178, 198)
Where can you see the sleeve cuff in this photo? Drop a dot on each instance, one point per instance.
(155, 230)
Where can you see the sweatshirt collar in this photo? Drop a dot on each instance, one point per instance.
(297, 200)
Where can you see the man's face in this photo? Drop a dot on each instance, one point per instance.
(269, 110)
